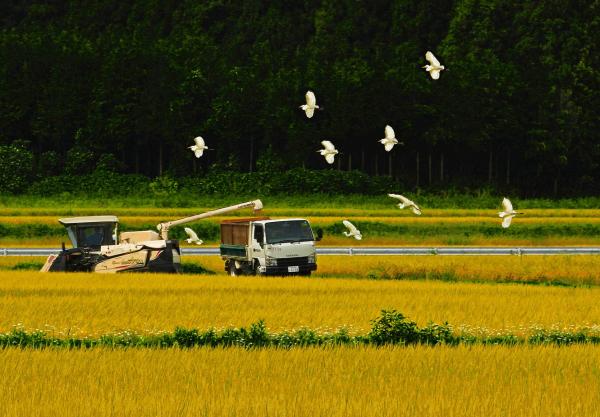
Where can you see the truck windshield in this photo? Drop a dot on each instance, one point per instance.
(288, 231)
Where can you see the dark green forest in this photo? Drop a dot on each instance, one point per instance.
(125, 86)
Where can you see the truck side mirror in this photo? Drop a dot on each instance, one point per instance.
(319, 234)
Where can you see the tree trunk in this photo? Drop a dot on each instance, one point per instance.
(251, 154)
(362, 160)
(508, 167)
(137, 156)
(160, 159)
(429, 167)
(490, 167)
(418, 169)
(442, 167)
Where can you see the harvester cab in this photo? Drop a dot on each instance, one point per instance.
(97, 247)
(92, 231)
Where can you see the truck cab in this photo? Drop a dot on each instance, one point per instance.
(264, 246)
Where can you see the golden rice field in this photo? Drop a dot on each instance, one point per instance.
(94, 304)
(552, 269)
(413, 381)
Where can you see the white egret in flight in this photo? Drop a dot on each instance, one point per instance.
(508, 213)
(435, 67)
(199, 147)
(329, 152)
(311, 104)
(405, 202)
(352, 230)
(390, 138)
(193, 237)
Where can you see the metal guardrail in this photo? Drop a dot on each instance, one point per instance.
(366, 250)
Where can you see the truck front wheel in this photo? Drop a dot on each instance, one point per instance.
(232, 270)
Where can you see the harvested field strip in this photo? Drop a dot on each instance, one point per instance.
(168, 213)
(565, 270)
(474, 380)
(94, 304)
(465, 227)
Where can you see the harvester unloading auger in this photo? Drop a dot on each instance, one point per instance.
(97, 247)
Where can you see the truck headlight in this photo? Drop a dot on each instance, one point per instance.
(311, 259)
(270, 261)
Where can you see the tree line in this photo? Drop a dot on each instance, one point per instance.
(128, 85)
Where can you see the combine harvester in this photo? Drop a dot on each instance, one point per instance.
(249, 246)
(97, 247)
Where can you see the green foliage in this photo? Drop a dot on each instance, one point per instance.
(391, 327)
(16, 168)
(83, 82)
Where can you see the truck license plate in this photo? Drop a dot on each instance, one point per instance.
(293, 269)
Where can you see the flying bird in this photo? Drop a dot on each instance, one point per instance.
(311, 104)
(405, 202)
(508, 213)
(352, 230)
(435, 67)
(329, 152)
(199, 147)
(193, 237)
(390, 138)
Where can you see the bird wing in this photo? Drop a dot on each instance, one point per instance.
(199, 141)
(328, 145)
(311, 100)
(432, 59)
(198, 152)
(435, 74)
(191, 233)
(389, 146)
(358, 236)
(350, 227)
(329, 158)
(506, 221)
(309, 112)
(507, 205)
(389, 132)
(415, 209)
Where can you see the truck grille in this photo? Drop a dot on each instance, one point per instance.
(302, 260)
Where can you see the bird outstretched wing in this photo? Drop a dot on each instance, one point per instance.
(199, 142)
(311, 100)
(191, 233)
(309, 112)
(330, 158)
(198, 152)
(401, 198)
(435, 74)
(389, 132)
(506, 221)
(389, 146)
(351, 228)
(432, 59)
(507, 206)
(328, 145)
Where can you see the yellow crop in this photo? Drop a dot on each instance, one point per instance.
(95, 304)
(416, 381)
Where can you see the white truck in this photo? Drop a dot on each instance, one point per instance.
(263, 246)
